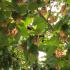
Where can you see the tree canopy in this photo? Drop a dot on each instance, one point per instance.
(34, 34)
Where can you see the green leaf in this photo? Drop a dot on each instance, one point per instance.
(54, 41)
(28, 21)
(41, 24)
(22, 9)
(9, 0)
(68, 2)
(2, 17)
(3, 40)
(23, 30)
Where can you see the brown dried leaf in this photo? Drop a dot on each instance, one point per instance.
(52, 19)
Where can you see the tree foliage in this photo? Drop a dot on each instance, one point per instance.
(30, 26)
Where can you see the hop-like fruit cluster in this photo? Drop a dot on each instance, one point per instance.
(60, 53)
